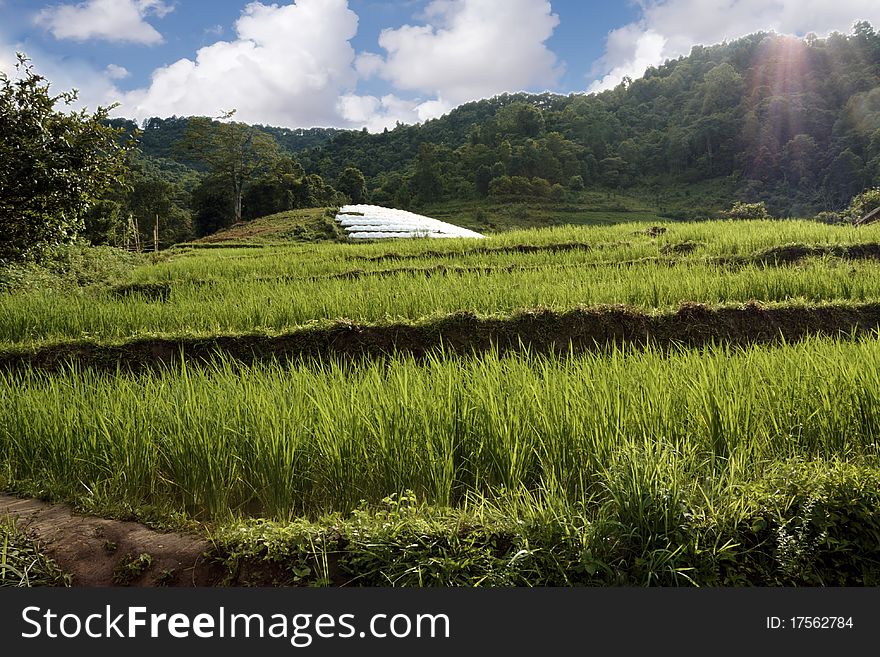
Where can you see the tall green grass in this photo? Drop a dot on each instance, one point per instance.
(629, 429)
(234, 305)
(280, 288)
(621, 242)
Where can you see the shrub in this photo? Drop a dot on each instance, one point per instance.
(862, 204)
(830, 218)
(741, 210)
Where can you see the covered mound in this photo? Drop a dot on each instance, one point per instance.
(376, 222)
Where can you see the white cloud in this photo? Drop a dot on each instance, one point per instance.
(7, 58)
(293, 64)
(368, 64)
(465, 50)
(94, 87)
(115, 72)
(669, 28)
(111, 20)
(469, 49)
(288, 66)
(639, 50)
(376, 113)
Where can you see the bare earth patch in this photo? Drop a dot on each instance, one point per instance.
(99, 552)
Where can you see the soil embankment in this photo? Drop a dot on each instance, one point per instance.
(540, 331)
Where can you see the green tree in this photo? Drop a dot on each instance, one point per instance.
(426, 183)
(845, 177)
(54, 166)
(277, 190)
(521, 119)
(614, 171)
(233, 152)
(211, 206)
(482, 180)
(863, 203)
(799, 159)
(102, 223)
(352, 183)
(151, 197)
(316, 193)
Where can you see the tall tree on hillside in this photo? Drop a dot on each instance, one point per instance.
(276, 190)
(233, 152)
(351, 183)
(151, 198)
(426, 182)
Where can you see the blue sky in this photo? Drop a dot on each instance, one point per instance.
(354, 63)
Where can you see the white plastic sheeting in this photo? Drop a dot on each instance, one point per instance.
(375, 222)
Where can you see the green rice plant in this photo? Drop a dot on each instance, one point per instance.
(279, 288)
(235, 306)
(285, 441)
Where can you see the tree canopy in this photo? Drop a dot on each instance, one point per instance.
(234, 153)
(54, 165)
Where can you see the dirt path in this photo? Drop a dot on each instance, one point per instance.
(99, 552)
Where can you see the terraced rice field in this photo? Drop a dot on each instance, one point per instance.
(690, 404)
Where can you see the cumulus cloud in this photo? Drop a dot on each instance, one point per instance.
(110, 20)
(94, 87)
(116, 72)
(377, 113)
(465, 50)
(473, 48)
(669, 28)
(7, 58)
(288, 66)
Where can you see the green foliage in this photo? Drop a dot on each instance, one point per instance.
(54, 166)
(22, 561)
(741, 210)
(130, 567)
(714, 466)
(213, 203)
(802, 523)
(233, 153)
(67, 267)
(517, 186)
(426, 184)
(351, 183)
(690, 120)
(227, 290)
(151, 198)
(831, 218)
(102, 223)
(278, 189)
(697, 125)
(863, 203)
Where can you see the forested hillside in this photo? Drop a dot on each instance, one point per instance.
(794, 123)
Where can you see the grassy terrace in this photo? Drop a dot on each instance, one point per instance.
(281, 442)
(276, 289)
(715, 464)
